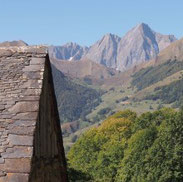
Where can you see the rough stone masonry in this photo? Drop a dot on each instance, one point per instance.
(31, 146)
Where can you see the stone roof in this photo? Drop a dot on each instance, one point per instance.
(21, 82)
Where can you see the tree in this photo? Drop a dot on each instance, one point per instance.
(99, 151)
(127, 147)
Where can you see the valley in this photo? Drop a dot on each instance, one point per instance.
(91, 91)
(91, 85)
(124, 94)
(137, 88)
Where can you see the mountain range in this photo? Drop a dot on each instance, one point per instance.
(70, 51)
(139, 45)
(141, 71)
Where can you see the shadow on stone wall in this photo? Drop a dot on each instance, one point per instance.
(48, 162)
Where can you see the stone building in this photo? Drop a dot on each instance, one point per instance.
(31, 146)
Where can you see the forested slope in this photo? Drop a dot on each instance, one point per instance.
(127, 147)
(75, 101)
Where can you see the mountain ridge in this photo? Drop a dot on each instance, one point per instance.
(140, 44)
(69, 51)
(104, 51)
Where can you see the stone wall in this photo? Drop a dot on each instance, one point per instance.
(48, 162)
(28, 112)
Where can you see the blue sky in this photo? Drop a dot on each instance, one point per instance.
(85, 21)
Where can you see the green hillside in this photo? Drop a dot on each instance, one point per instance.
(172, 93)
(75, 101)
(153, 74)
(83, 104)
(161, 82)
(164, 90)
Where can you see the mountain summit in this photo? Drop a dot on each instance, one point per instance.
(140, 44)
(70, 51)
(105, 50)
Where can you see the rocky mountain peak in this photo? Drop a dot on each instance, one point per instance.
(138, 45)
(104, 51)
(110, 36)
(143, 26)
(70, 51)
(109, 39)
(142, 30)
(162, 40)
(72, 45)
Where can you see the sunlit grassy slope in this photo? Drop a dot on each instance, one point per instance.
(137, 89)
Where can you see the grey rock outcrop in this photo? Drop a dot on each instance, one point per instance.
(70, 51)
(140, 44)
(105, 51)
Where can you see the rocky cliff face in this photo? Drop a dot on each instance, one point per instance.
(70, 51)
(105, 51)
(140, 44)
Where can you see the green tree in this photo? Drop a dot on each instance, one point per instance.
(99, 151)
(129, 148)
